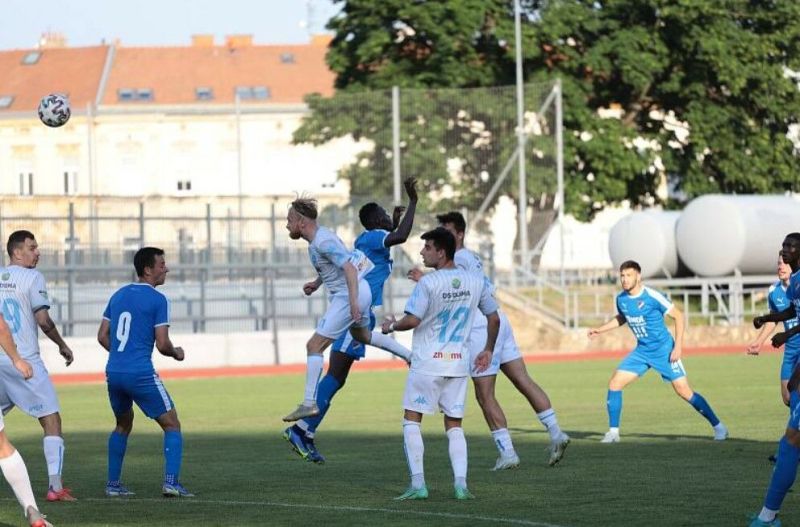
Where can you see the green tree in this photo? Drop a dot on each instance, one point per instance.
(698, 88)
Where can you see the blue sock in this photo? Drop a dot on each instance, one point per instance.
(614, 404)
(702, 407)
(117, 443)
(782, 475)
(173, 453)
(327, 388)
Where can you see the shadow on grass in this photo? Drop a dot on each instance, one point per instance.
(256, 479)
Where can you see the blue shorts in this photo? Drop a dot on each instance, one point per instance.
(144, 389)
(349, 346)
(639, 362)
(790, 358)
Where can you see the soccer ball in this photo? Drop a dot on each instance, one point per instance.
(54, 110)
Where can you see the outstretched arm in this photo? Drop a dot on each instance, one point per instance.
(404, 324)
(754, 347)
(49, 328)
(614, 323)
(401, 233)
(780, 316)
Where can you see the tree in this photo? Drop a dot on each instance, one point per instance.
(696, 91)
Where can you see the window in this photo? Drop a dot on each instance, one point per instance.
(204, 93)
(253, 92)
(26, 183)
(135, 95)
(70, 182)
(31, 58)
(287, 58)
(185, 185)
(6, 100)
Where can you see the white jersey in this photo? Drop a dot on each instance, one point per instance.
(446, 302)
(328, 256)
(470, 261)
(23, 292)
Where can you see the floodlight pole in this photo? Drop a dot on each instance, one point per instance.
(523, 190)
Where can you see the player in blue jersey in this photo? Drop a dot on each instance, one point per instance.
(785, 471)
(349, 297)
(135, 319)
(778, 301)
(643, 309)
(381, 234)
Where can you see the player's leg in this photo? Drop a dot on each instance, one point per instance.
(363, 332)
(453, 395)
(120, 387)
(16, 474)
(675, 373)
(419, 398)
(785, 470)
(154, 400)
(630, 369)
(496, 420)
(301, 435)
(53, 445)
(517, 373)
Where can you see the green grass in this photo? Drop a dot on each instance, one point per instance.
(667, 471)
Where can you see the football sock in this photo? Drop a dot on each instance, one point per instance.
(173, 454)
(548, 419)
(701, 405)
(327, 388)
(502, 440)
(415, 451)
(458, 455)
(783, 474)
(117, 444)
(313, 372)
(16, 474)
(387, 343)
(614, 405)
(54, 455)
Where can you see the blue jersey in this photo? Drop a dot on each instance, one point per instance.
(134, 312)
(644, 313)
(371, 243)
(778, 301)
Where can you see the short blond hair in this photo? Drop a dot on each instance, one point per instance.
(306, 207)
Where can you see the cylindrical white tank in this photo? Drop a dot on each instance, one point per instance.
(647, 237)
(719, 233)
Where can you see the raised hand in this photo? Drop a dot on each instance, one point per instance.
(410, 185)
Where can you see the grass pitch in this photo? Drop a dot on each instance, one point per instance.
(666, 471)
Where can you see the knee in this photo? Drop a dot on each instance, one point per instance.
(793, 437)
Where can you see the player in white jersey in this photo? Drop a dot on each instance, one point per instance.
(11, 463)
(349, 297)
(25, 305)
(440, 311)
(507, 359)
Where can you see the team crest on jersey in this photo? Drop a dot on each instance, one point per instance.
(44, 294)
(456, 283)
(6, 276)
(640, 304)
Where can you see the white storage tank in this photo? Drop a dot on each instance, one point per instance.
(720, 233)
(647, 237)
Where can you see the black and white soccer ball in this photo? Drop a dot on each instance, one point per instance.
(54, 110)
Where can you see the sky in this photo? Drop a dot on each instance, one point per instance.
(161, 22)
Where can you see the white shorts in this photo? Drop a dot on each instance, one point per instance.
(36, 396)
(505, 348)
(424, 393)
(337, 318)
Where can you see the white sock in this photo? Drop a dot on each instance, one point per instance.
(314, 365)
(458, 455)
(614, 430)
(54, 455)
(16, 474)
(387, 343)
(415, 451)
(767, 515)
(548, 419)
(502, 440)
